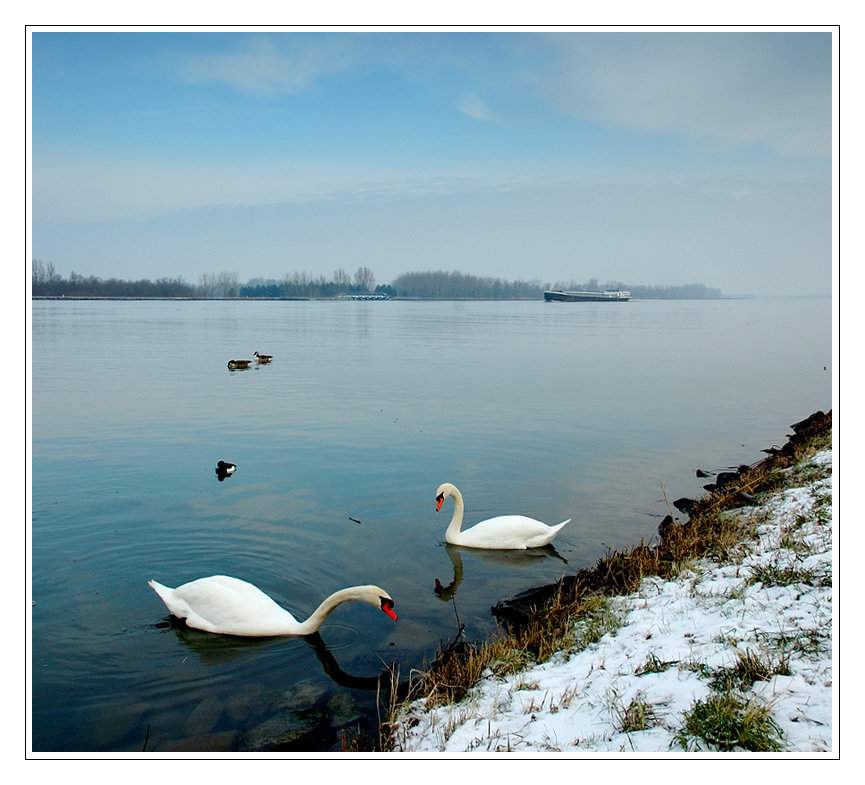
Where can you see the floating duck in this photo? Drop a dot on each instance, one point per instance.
(263, 358)
(506, 532)
(238, 365)
(224, 469)
(231, 606)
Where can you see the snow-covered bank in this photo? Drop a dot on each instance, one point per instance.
(632, 690)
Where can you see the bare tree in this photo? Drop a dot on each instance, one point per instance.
(364, 280)
(224, 284)
(206, 285)
(341, 279)
(227, 284)
(37, 274)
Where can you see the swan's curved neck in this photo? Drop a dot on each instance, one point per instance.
(456, 523)
(314, 622)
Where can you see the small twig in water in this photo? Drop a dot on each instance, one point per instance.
(460, 625)
(666, 500)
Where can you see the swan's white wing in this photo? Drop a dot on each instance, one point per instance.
(509, 532)
(227, 605)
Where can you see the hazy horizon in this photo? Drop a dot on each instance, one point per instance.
(652, 158)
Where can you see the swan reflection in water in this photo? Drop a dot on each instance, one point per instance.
(500, 559)
(220, 649)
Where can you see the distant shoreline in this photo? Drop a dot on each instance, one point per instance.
(97, 298)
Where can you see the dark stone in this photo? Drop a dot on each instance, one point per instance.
(286, 730)
(789, 449)
(516, 612)
(810, 424)
(725, 478)
(685, 505)
(807, 428)
(665, 527)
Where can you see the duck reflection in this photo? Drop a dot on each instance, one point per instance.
(220, 649)
(499, 558)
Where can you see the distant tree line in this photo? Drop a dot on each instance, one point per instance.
(429, 285)
(303, 285)
(450, 285)
(47, 282)
(690, 291)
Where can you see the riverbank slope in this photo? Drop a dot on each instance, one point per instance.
(732, 654)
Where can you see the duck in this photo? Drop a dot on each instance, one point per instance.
(238, 365)
(263, 358)
(505, 532)
(224, 469)
(231, 606)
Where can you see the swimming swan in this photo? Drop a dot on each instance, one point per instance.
(234, 607)
(506, 532)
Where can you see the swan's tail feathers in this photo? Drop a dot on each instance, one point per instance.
(174, 604)
(554, 530)
(159, 588)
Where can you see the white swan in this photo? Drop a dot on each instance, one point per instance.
(234, 607)
(506, 532)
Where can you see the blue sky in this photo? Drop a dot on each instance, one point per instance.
(645, 157)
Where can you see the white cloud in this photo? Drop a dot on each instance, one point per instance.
(260, 66)
(474, 106)
(721, 89)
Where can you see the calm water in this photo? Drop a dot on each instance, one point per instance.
(551, 410)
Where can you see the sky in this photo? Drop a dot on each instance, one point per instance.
(647, 157)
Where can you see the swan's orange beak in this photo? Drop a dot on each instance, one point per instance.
(387, 607)
(440, 500)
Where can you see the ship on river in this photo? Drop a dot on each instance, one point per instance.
(607, 296)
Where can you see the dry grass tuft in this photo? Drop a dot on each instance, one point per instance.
(638, 716)
(568, 622)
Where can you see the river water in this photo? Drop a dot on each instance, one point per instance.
(588, 411)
